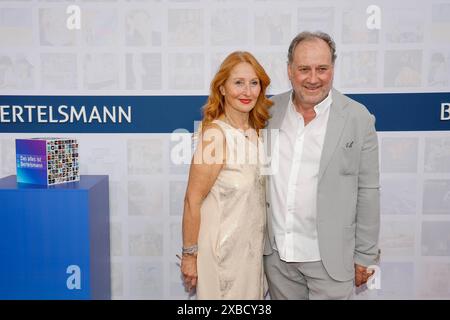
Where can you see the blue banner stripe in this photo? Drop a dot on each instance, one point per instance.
(164, 114)
(406, 111)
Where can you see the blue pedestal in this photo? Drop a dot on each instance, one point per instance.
(54, 241)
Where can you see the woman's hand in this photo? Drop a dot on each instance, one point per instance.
(189, 271)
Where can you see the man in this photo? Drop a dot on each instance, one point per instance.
(323, 203)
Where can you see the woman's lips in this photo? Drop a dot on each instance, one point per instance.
(245, 101)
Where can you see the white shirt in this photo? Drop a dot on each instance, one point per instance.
(293, 188)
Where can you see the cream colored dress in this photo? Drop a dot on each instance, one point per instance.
(233, 218)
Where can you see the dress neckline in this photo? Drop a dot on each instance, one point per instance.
(240, 133)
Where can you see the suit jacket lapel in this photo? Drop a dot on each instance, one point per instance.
(335, 126)
(278, 111)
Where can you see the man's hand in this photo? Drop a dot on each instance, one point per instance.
(361, 274)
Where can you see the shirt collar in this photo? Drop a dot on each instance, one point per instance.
(318, 108)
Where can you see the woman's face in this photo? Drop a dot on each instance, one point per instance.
(241, 89)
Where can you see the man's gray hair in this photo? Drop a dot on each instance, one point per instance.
(307, 35)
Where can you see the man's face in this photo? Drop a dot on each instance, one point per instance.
(311, 72)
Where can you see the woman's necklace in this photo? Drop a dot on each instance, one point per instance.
(245, 133)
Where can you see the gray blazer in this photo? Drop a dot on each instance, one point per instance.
(348, 208)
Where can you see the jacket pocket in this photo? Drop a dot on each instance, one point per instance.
(349, 159)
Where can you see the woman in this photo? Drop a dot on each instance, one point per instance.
(224, 213)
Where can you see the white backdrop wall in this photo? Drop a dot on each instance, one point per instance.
(140, 47)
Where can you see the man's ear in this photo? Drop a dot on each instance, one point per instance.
(289, 71)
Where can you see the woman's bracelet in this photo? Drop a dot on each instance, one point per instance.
(191, 250)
